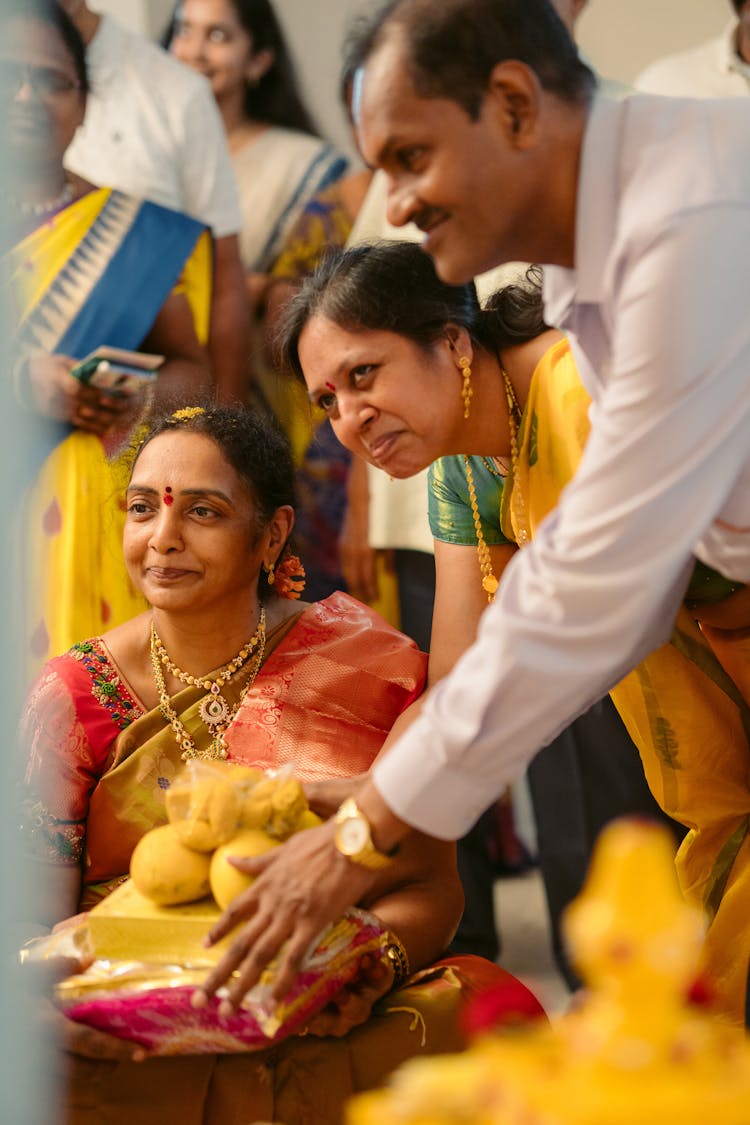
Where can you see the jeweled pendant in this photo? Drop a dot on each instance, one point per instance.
(214, 710)
(489, 584)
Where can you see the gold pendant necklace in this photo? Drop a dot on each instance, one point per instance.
(517, 505)
(490, 582)
(214, 710)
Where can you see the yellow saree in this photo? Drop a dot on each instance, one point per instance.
(686, 706)
(97, 273)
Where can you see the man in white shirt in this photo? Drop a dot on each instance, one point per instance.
(640, 212)
(152, 129)
(719, 68)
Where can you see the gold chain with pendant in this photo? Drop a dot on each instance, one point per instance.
(214, 710)
(489, 579)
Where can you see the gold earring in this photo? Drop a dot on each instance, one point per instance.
(466, 388)
(270, 576)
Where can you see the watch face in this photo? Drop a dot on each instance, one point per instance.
(353, 836)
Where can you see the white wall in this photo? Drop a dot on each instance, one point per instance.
(622, 36)
(618, 36)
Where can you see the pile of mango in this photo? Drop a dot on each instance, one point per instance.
(215, 812)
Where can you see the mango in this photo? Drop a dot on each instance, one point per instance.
(243, 777)
(205, 812)
(225, 880)
(166, 871)
(308, 819)
(288, 802)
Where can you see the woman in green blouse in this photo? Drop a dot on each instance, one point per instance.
(412, 372)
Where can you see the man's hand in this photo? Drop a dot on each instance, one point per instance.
(301, 888)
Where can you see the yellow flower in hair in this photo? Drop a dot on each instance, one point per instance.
(187, 412)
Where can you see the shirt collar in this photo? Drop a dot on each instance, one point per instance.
(598, 190)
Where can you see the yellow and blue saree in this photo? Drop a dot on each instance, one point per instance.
(97, 273)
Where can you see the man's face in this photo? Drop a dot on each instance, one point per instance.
(463, 182)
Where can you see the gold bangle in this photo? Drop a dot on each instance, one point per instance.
(397, 957)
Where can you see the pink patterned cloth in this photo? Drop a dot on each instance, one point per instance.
(154, 1010)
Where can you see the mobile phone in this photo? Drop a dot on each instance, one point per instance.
(117, 370)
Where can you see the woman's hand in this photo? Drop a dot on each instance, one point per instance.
(56, 394)
(730, 614)
(40, 978)
(78, 1039)
(353, 1004)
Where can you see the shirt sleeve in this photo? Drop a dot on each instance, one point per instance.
(600, 586)
(209, 188)
(449, 505)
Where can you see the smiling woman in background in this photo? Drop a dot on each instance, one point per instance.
(295, 199)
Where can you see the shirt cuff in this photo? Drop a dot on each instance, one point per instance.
(421, 788)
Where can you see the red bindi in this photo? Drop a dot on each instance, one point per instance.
(330, 386)
(168, 498)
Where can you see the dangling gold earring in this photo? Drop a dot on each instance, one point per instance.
(270, 576)
(466, 388)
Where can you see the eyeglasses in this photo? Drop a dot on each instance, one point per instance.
(45, 81)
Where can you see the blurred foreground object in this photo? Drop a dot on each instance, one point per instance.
(642, 1044)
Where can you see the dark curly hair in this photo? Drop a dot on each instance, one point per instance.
(251, 443)
(393, 287)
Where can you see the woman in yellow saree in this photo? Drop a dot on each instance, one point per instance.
(316, 686)
(411, 371)
(89, 267)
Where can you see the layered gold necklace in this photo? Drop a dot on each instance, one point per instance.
(518, 507)
(214, 709)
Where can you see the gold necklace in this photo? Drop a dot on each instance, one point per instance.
(517, 505)
(489, 580)
(214, 709)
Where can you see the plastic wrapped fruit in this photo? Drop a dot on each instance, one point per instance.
(166, 871)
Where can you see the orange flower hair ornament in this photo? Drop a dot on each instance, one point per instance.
(288, 579)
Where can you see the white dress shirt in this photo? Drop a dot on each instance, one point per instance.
(711, 70)
(658, 313)
(152, 129)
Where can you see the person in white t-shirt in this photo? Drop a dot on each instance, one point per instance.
(719, 68)
(152, 129)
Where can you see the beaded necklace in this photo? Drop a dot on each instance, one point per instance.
(214, 710)
(489, 579)
(35, 210)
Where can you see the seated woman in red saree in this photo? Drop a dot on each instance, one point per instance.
(109, 724)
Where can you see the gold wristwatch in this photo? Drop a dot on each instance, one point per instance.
(353, 837)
